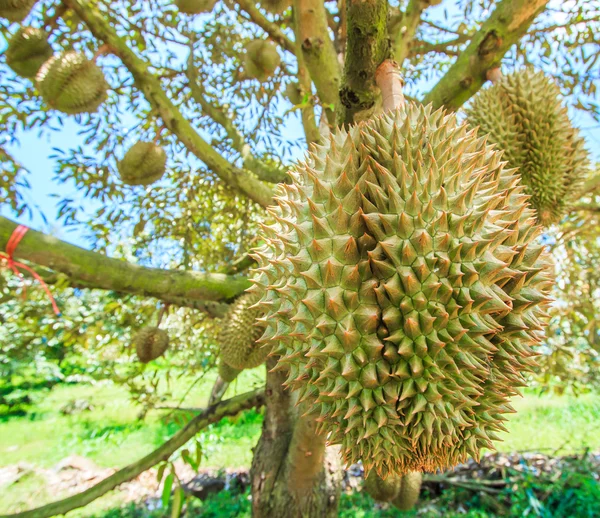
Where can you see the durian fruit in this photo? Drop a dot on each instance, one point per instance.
(293, 93)
(150, 343)
(408, 495)
(227, 372)
(380, 489)
(71, 83)
(195, 6)
(28, 49)
(240, 332)
(261, 59)
(15, 10)
(275, 6)
(143, 164)
(403, 287)
(523, 115)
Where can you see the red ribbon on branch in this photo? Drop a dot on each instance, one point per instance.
(11, 246)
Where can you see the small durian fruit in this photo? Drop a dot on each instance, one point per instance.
(275, 6)
(404, 289)
(293, 93)
(150, 343)
(227, 372)
(71, 83)
(522, 114)
(143, 164)
(261, 59)
(240, 332)
(195, 6)
(15, 10)
(28, 49)
(382, 490)
(408, 493)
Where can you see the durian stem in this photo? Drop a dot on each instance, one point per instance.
(494, 75)
(390, 82)
(102, 50)
(210, 415)
(161, 313)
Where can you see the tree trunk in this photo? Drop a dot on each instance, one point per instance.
(293, 473)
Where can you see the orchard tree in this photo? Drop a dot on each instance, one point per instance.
(395, 282)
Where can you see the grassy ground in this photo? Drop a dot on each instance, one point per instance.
(111, 435)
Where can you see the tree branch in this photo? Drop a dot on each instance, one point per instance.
(173, 119)
(95, 270)
(272, 29)
(210, 415)
(408, 28)
(320, 57)
(506, 26)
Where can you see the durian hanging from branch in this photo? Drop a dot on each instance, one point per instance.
(403, 289)
(261, 60)
(150, 343)
(523, 115)
(16, 10)
(72, 83)
(143, 164)
(28, 49)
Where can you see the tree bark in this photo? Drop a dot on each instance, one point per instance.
(293, 473)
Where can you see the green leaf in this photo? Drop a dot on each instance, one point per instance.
(166, 494)
(178, 500)
(161, 472)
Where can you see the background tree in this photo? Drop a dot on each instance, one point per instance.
(223, 108)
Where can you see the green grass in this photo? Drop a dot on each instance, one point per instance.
(112, 436)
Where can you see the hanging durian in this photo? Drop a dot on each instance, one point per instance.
(408, 494)
(226, 372)
(380, 489)
(261, 59)
(275, 6)
(403, 288)
(195, 6)
(523, 115)
(28, 49)
(150, 343)
(143, 164)
(71, 83)
(15, 10)
(240, 332)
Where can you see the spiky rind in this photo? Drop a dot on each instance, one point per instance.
(403, 288)
(28, 49)
(195, 6)
(523, 115)
(275, 6)
(143, 164)
(71, 83)
(227, 372)
(261, 59)
(382, 490)
(150, 343)
(239, 334)
(408, 494)
(15, 10)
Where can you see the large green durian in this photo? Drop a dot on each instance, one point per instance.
(16, 10)
(523, 115)
(403, 288)
(195, 6)
(408, 494)
(240, 332)
(150, 343)
(143, 164)
(261, 59)
(71, 83)
(227, 372)
(28, 49)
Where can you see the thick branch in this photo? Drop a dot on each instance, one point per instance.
(367, 48)
(173, 119)
(272, 29)
(95, 270)
(506, 26)
(320, 57)
(408, 28)
(210, 415)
